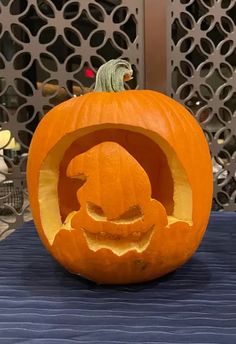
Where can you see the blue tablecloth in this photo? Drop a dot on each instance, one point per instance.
(41, 303)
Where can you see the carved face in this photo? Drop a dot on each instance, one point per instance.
(116, 209)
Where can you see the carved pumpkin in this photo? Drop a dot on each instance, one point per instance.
(120, 182)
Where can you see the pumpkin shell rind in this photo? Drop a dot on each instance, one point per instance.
(154, 113)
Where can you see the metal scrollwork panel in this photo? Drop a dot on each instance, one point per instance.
(202, 75)
(50, 51)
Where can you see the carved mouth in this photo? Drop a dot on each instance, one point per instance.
(118, 244)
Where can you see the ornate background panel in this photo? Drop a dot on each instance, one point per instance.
(49, 52)
(202, 75)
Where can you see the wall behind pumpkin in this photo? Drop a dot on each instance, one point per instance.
(202, 71)
(50, 51)
(190, 55)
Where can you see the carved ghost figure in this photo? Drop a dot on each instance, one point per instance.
(116, 209)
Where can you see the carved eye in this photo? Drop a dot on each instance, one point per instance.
(134, 213)
(95, 211)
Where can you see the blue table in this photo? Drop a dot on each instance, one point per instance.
(40, 303)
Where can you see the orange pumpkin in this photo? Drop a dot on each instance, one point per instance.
(120, 182)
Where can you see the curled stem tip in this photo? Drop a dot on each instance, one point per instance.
(112, 75)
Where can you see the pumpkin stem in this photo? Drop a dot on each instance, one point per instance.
(112, 75)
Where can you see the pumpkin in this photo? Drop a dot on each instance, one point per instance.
(120, 181)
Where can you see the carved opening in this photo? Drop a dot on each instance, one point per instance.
(119, 245)
(132, 214)
(95, 212)
(168, 179)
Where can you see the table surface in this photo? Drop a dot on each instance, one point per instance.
(41, 303)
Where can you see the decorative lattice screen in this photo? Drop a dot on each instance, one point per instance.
(202, 62)
(50, 51)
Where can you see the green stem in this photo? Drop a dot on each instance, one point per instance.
(111, 76)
